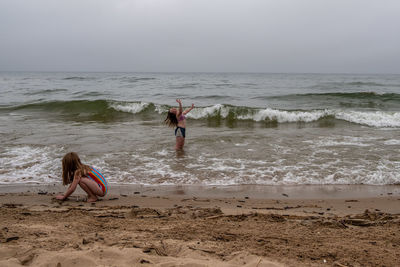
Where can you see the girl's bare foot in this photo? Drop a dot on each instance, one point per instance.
(92, 199)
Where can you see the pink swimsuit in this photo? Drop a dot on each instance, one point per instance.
(181, 117)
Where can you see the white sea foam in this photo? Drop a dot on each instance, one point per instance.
(241, 144)
(374, 119)
(392, 142)
(340, 141)
(284, 116)
(200, 113)
(257, 114)
(163, 152)
(27, 164)
(133, 107)
(387, 172)
(153, 170)
(160, 109)
(380, 119)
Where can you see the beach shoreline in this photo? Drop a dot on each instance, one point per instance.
(352, 225)
(328, 191)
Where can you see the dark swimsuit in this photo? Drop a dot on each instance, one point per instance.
(180, 131)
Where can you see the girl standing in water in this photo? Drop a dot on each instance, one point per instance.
(176, 118)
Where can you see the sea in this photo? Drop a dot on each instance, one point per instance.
(245, 129)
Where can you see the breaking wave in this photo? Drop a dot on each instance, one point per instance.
(106, 110)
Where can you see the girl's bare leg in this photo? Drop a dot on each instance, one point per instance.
(180, 141)
(91, 188)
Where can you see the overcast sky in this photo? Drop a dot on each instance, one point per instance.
(339, 36)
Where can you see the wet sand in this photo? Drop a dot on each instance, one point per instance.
(202, 226)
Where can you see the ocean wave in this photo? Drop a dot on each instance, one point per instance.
(79, 78)
(184, 86)
(29, 164)
(282, 116)
(46, 91)
(40, 164)
(134, 108)
(131, 79)
(254, 114)
(74, 110)
(360, 95)
(72, 106)
(88, 94)
(357, 84)
(373, 96)
(107, 110)
(374, 119)
(137, 79)
(214, 97)
(379, 119)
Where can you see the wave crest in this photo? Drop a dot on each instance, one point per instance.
(378, 119)
(105, 110)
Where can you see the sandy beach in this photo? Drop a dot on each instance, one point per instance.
(218, 133)
(202, 226)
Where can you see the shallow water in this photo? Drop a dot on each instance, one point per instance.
(245, 129)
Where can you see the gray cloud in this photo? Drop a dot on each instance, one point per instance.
(201, 35)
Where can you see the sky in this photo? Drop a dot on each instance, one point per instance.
(291, 36)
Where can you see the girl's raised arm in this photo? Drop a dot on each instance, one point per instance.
(188, 110)
(180, 108)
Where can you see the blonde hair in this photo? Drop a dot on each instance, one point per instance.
(71, 165)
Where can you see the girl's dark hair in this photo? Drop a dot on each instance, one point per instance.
(171, 119)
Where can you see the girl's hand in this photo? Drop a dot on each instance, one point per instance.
(60, 197)
(192, 106)
(179, 101)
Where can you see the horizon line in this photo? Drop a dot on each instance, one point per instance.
(200, 72)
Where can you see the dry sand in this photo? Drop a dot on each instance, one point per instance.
(202, 226)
